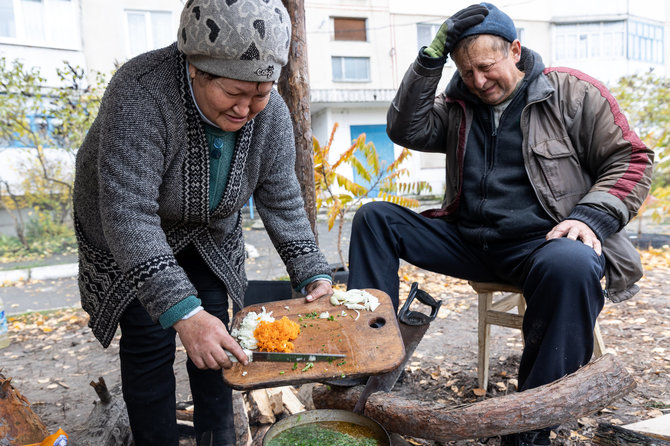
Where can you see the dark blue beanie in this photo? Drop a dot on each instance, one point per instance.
(496, 22)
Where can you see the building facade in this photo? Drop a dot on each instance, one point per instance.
(358, 50)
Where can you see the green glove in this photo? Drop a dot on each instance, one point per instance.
(453, 27)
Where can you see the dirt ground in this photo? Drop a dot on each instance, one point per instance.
(53, 356)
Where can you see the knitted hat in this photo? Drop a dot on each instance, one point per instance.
(239, 39)
(496, 22)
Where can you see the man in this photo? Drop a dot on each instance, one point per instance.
(542, 175)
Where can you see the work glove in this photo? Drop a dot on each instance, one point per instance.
(453, 27)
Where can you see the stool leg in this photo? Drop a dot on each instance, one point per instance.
(484, 336)
(598, 343)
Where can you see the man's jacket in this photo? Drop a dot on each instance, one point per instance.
(577, 147)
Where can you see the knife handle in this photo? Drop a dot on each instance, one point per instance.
(414, 317)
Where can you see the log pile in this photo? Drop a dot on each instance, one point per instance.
(256, 411)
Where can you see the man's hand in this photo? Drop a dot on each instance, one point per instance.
(205, 337)
(318, 289)
(576, 230)
(453, 27)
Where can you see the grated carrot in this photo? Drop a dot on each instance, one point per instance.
(276, 336)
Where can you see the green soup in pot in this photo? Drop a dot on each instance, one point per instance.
(325, 433)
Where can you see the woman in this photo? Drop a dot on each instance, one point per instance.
(185, 135)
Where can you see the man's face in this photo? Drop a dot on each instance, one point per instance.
(487, 72)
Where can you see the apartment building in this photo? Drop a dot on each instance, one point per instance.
(358, 50)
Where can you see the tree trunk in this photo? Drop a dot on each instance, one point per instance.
(293, 85)
(585, 391)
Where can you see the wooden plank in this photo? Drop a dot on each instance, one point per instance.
(372, 343)
(658, 427)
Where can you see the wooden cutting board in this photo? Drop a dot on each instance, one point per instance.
(372, 343)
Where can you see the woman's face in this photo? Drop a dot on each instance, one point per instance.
(229, 103)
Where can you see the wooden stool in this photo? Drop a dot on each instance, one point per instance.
(497, 313)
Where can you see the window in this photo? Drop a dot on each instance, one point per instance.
(351, 69)
(425, 33)
(589, 40)
(51, 23)
(7, 27)
(149, 30)
(349, 29)
(645, 42)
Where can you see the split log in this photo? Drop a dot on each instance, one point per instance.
(581, 393)
(18, 423)
(107, 424)
(276, 400)
(290, 400)
(260, 434)
(242, 430)
(260, 409)
(611, 435)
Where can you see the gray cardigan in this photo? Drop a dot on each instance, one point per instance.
(142, 189)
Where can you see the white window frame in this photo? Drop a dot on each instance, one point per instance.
(589, 40)
(343, 60)
(148, 29)
(52, 18)
(645, 42)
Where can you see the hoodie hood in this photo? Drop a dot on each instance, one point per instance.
(530, 63)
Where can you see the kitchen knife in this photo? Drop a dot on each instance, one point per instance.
(294, 357)
(288, 357)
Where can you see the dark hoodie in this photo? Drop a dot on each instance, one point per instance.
(498, 202)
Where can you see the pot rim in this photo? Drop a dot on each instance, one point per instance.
(316, 415)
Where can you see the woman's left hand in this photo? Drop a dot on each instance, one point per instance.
(318, 289)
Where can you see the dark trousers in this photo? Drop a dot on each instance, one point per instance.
(560, 279)
(147, 354)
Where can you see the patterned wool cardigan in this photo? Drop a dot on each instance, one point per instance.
(142, 189)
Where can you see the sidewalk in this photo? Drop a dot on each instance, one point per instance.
(52, 284)
(27, 285)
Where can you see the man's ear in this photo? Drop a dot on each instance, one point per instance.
(516, 50)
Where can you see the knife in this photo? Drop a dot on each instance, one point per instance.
(288, 357)
(294, 357)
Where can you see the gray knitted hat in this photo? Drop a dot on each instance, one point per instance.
(239, 39)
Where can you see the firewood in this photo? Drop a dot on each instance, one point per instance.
(583, 392)
(242, 430)
(291, 402)
(260, 408)
(260, 433)
(611, 435)
(276, 400)
(18, 423)
(185, 415)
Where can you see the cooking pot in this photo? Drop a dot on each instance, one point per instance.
(314, 416)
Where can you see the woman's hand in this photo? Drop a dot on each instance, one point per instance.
(318, 289)
(205, 338)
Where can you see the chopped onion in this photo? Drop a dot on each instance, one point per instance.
(245, 332)
(355, 299)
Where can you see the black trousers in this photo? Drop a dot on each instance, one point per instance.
(560, 279)
(147, 353)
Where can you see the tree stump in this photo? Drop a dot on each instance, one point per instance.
(18, 423)
(581, 393)
(107, 424)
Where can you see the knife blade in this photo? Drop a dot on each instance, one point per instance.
(294, 357)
